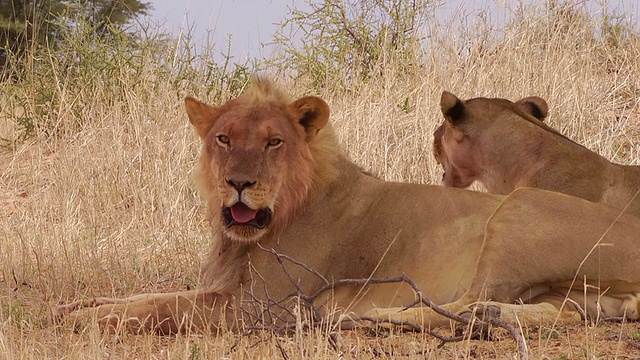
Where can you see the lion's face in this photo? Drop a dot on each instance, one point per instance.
(459, 142)
(257, 162)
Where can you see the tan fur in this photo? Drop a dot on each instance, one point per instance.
(459, 246)
(506, 145)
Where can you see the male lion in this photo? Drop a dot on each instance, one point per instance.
(506, 146)
(282, 195)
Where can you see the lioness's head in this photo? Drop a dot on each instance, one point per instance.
(457, 142)
(256, 163)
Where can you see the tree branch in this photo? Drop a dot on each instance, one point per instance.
(267, 313)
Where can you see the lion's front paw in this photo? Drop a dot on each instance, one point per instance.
(482, 311)
(393, 318)
(71, 313)
(381, 317)
(60, 312)
(106, 317)
(79, 320)
(480, 329)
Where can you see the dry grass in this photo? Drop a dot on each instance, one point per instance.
(108, 207)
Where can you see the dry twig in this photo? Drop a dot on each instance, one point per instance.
(267, 313)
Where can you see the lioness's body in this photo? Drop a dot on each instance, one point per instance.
(458, 246)
(505, 147)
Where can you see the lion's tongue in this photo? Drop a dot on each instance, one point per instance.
(242, 213)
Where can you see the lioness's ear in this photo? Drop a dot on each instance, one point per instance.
(201, 115)
(535, 106)
(452, 108)
(312, 113)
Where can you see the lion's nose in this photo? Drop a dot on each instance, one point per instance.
(240, 185)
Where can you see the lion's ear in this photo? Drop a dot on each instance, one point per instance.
(535, 106)
(452, 108)
(312, 113)
(201, 115)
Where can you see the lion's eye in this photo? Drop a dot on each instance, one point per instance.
(275, 142)
(223, 140)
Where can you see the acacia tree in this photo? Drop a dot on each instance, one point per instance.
(336, 41)
(25, 23)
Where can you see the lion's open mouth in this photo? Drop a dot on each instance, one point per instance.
(241, 214)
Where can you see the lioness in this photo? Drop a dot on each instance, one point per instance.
(277, 185)
(506, 145)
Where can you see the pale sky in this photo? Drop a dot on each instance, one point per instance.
(251, 22)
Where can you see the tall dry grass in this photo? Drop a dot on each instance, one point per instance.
(100, 202)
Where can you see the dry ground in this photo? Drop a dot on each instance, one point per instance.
(109, 209)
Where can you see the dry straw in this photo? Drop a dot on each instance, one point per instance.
(99, 201)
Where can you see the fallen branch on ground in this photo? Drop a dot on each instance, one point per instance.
(277, 315)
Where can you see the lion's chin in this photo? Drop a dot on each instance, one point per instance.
(243, 224)
(244, 233)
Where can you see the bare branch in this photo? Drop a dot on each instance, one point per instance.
(302, 265)
(275, 315)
